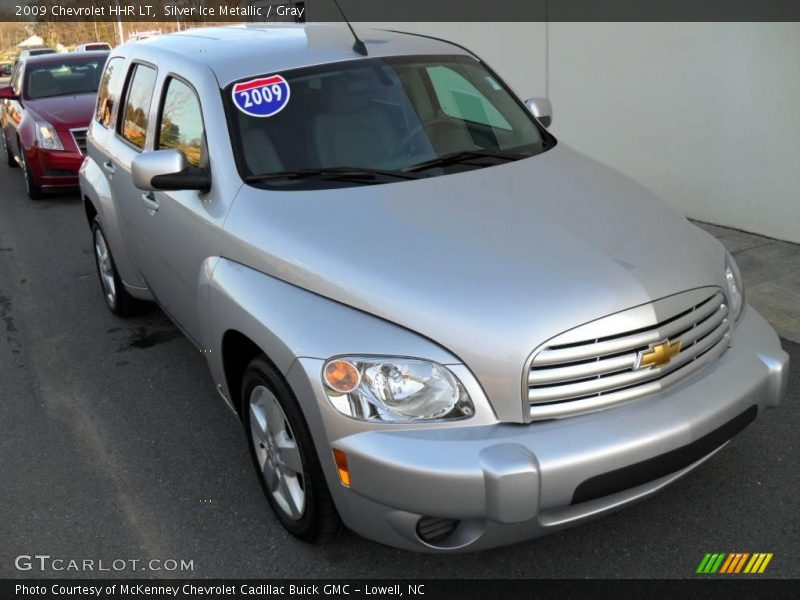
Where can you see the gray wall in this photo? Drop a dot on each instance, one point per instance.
(707, 115)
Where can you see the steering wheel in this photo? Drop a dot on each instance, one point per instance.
(404, 147)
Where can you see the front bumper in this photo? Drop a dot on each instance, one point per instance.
(501, 483)
(55, 168)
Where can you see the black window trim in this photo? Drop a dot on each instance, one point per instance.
(134, 63)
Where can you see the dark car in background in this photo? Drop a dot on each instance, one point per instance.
(92, 46)
(36, 52)
(5, 69)
(44, 114)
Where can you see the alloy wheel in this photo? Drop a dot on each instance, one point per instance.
(105, 267)
(25, 176)
(277, 453)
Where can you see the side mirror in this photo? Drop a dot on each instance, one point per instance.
(541, 109)
(7, 93)
(167, 170)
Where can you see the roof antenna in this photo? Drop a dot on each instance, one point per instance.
(358, 46)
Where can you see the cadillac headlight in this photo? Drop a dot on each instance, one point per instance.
(393, 389)
(735, 288)
(47, 136)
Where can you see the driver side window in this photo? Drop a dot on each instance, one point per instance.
(181, 123)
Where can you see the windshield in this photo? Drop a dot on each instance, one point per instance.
(376, 120)
(64, 78)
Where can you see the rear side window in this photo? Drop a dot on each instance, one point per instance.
(137, 104)
(110, 88)
(181, 122)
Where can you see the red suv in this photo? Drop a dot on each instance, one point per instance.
(44, 114)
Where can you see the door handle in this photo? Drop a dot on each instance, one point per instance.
(150, 202)
(109, 167)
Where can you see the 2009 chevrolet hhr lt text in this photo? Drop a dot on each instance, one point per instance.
(439, 325)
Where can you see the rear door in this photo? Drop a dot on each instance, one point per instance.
(100, 142)
(130, 138)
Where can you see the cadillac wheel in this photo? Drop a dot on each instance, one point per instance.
(34, 190)
(284, 457)
(9, 156)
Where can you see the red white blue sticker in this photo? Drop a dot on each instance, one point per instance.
(262, 97)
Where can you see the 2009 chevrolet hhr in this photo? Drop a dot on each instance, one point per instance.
(439, 325)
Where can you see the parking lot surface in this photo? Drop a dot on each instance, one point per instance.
(115, 445)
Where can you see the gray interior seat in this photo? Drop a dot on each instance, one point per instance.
(261, 155)
(352, 131)
(42, 83)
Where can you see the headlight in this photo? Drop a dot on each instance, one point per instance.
(393, 389)
(735, 288)
(47, 136)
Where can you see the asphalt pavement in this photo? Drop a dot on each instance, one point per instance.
(114, 445)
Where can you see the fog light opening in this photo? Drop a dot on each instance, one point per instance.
(341, 466)
(434, 530)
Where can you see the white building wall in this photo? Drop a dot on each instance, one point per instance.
(517, 51)
(707, 115)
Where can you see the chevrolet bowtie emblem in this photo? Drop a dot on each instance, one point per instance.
(658, 354)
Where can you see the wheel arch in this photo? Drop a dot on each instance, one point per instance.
(98, 203)
(26, 133)
(238, 351)
(246, 312)
(89, 209)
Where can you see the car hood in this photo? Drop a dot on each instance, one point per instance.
(64, 111)
(489, 263)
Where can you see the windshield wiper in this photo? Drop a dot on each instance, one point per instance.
(343, 173)
(463, 156)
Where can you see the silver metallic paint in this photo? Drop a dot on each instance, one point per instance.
(542, 109)
(473, 270)
(147, 165)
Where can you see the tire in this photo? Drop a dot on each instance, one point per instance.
(10, 160)
(117, 298)
(284, 455)
(34, 191)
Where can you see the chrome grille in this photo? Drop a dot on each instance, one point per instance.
(79, 135)
(597, 365)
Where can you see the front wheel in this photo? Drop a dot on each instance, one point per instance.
(284, 455)
(34, 190)
(117, 298)
(10, 160)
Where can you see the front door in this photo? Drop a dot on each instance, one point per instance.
(181, 232)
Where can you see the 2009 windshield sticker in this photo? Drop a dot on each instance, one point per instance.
(262, 97)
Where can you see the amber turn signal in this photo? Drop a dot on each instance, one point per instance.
(342, 376)
(341, 465)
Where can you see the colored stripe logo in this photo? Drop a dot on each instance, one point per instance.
(734, 562)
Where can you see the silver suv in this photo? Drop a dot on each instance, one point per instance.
(438, 325)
